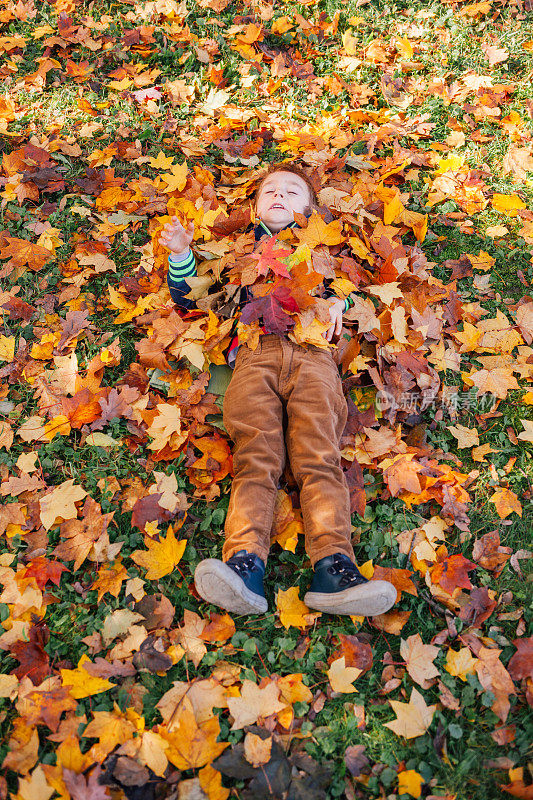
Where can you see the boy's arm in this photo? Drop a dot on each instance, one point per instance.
(349, 300)
(179, 268)
(181, 262)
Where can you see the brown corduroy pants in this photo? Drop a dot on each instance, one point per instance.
(282, 380)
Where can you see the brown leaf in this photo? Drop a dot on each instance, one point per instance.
(79, 535)
(489, 554)
(479, 607)
(157, 611)
(356, 653)
(73, 324)
(521, 664)
(81, 788)
(356, 760)
(130, 773)
(494, 678)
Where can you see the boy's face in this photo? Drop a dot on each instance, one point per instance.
(280, 196)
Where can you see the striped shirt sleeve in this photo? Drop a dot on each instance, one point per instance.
(179, 269)
(348, 303)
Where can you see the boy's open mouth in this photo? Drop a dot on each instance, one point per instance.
(277, 205)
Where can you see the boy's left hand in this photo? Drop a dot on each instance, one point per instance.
(336, 311)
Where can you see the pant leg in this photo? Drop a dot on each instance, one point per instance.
(317, 412)
(253, 417)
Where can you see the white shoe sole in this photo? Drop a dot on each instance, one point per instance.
(367, 600)
(220, 585)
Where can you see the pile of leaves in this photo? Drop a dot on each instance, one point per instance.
(115, 468)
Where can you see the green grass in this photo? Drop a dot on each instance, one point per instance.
(452, 756)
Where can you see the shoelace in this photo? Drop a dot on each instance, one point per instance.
(244, 564)
(349, 572)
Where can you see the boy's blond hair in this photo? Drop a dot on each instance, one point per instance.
(313, 199)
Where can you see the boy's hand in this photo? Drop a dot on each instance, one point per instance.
(176, 238)
(336, 311)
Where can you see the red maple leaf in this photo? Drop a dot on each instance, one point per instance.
(33, 658)
(272, 310)
(452, 573)
(43, 570)
(269, 258)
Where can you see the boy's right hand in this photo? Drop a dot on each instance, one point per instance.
(176, 238)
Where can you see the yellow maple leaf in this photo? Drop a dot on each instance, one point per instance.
(496, 381)
(120, 86)
(412, 718)
(166, 427)
(479, 453)
(190, 745)
(111, 728)
(460, 663)
(482, 261)
(57, 425)
(410, 782)
(417, 222)
(81, 683)
(254, 703)
(204, 694)
(34, 787)
(292, 610)
(341, 677)
(466, 437)
(469, 337)
(161, 161)
(110, 578)
(342, 287)
(23, 747)
(311, 334)
(43, 349)
(387, 292)
(161, 557)
(506, 503)
(392, 205)
(210, 781)
(350, 43)
(293, 690)
(419, 659)
(60, 504)
(319, 232)
(176, 178)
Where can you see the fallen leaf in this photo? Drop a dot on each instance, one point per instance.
(410, 782)
(257, 751)
(419, 659)
(59, 504)
(341, 677)
(506, 503)
(293, 611)
(162, 556)
(494, 678)
(254, 703)
(413, 718)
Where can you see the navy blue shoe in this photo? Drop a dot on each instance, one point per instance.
(235, 585)
(339, 588)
